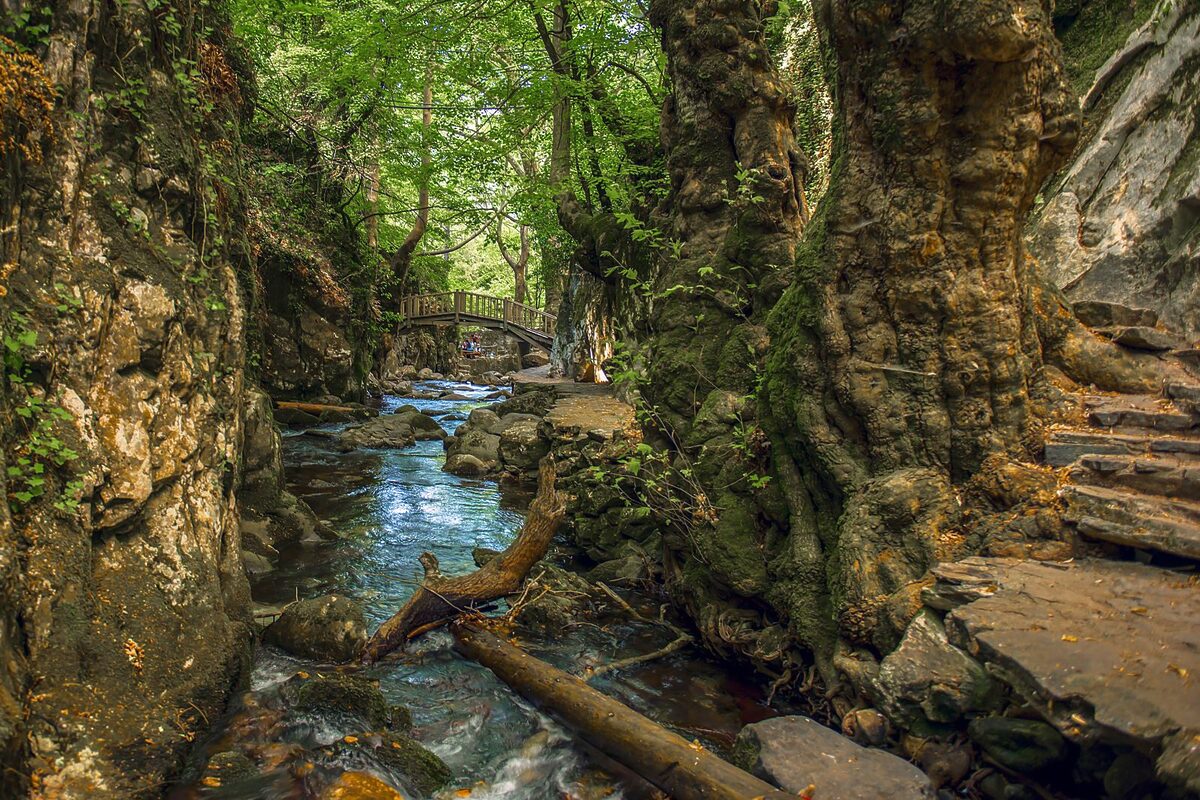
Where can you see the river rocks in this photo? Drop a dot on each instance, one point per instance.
(1102, 314)
(466, 465)
(410, 764)
(425, 374)
(386, 432)
(359, 786)
(295, 417)
(569, 598)
(1022, 745)
(534, 402)
(521, 444)
(797, 752)
(425, 427)
(928, 679)
(345, 695)
(330, 629)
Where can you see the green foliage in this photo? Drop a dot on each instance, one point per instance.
(40, 446)
(345, 84)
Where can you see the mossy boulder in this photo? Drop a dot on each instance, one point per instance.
(400, 757)
(329, 628)
(1022, 745)
(343, 695)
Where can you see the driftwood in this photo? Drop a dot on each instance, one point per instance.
(439, 597)
(682, 769)
(312, 408)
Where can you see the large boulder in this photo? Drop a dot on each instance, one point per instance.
(389, 431)
(424, 426)
(796, 752)
(927, 678)
(329, 628)
(405, 759)
(471, 441)
(522, 445)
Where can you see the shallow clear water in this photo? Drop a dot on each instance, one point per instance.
(390, 506)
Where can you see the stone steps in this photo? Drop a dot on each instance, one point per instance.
(1107, 652)
(1064, 447)
(1175, 476)
(1133, 519)
(1141, 412)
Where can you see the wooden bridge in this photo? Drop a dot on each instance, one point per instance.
(468, 308)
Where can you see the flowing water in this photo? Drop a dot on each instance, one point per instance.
(390, 506)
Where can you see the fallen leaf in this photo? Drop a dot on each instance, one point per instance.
(352, 739)
(1066, 637)
(211, 781)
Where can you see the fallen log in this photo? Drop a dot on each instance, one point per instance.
(312, 408)
(439, 597)
(682, 769)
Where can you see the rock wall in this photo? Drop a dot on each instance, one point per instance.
(430, 347)
(1122, 222)
(585, 333)
(309, 333)
(124, 618)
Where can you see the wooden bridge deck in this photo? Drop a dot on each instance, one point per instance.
(470, 308)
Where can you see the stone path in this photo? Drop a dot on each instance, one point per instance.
(1106, 647)
(580, 409)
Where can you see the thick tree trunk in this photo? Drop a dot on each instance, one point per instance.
(518, 263)
(906, 375)
(401, 260)
(683, 770)
(439, 597)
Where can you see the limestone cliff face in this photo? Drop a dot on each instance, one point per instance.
(1122, 222)
(307, 315)
(124, 619)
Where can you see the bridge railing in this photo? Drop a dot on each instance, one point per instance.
(459, 305)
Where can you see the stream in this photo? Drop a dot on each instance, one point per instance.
(390, 506)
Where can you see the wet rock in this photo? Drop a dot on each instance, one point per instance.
(797, 752)
(344, 695)
(329, 628)
(425, 374)
(295, 418)
(256, 564)
(569, 598)
(482, 555)
(1142, 338)
(229, 767)
(927, 678)
(327, 400)
(1023, 745)
(419, 770)
(359, 786)
(1131, 775)
(474, 442)
(455, 396)
(424, 426)
(522, 445)
(466, 465)
(385, 432)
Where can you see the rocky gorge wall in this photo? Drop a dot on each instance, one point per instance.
(125, 619)
(1121, 223)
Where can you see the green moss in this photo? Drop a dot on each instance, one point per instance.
(345, 694)
(1091, 37)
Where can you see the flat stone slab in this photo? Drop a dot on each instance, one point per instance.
(1063, 447)
(1140, 337)
(1106, 651)
(1133, 519)
(796, 752)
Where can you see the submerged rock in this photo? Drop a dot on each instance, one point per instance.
(329, 628)
(342, 694)
(359, 786)
(402, 757)
(385, 432)
(797, 752)
(424, 426)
